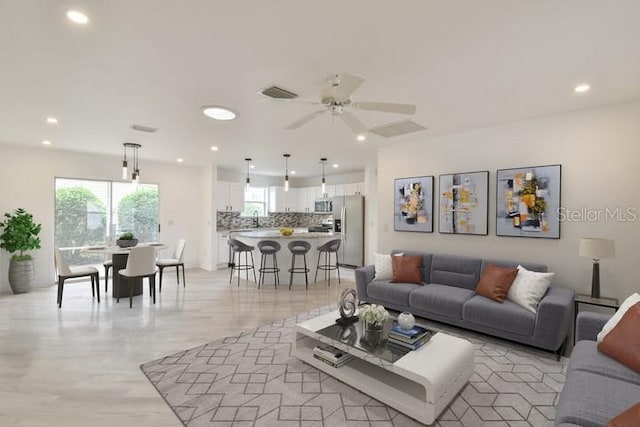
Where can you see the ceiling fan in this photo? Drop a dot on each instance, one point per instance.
(336, 98)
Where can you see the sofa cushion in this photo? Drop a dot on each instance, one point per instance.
(426, 262)
(398, 293)
(453, 270)
(384, 266)
(540, 268)
(506, 316)
(629, 302)
(406, 269)
(622, 343)
(529, 287)
(590, 399)
(586, 357)
(630, 417)
(495, 282)
(440, 299)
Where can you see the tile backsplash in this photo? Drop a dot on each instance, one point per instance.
(233, 220)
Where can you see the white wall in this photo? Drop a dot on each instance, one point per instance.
(27, 181)
(600, 153)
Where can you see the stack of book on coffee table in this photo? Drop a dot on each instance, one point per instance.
(331, 355)
(410, 339)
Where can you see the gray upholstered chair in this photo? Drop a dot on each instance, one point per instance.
(238, 247)
(176, 261)
(297, 248)
(64, 271)
(266, 248)
(140, 264)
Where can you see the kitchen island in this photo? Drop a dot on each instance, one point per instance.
(315, 239)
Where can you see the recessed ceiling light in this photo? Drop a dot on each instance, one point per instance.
(218, 113)
(293, 172)
(582, 88)
(214, 148)
(179, 160)
(335, 165)
(77, 17)
(46, 142)
(361, 138)
(52, 120)
(252, 166)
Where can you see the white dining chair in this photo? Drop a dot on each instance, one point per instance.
(141, 263)
(176, 261)
(64, 272)
(108, 265)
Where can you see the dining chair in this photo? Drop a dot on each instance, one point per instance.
(141, 263)
(176, 261)
(64, 272)
(108, 265)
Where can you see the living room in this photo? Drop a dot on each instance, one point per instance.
(494, 92)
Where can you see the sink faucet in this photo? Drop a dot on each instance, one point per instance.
(256, 222)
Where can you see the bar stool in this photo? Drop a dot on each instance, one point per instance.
(238, 247)
(299, 247)
(331, 247)
(266, 248)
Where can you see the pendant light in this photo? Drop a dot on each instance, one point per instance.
(286, 171)
(248, 181)
(135, 175)
(324, 184)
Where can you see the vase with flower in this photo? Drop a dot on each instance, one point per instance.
(373, 317)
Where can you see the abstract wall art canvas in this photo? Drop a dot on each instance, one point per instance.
(528, 202)
(413, 204)
(464, 203)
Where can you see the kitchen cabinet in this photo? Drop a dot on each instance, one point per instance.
(229, 196)
(223, 249)
(354, 188)
(307, 198)
(330, 192)
(283, 201)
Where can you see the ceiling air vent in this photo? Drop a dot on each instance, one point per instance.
(141, 128)
(397, 128)
(278, 93)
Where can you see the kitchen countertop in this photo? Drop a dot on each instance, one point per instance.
(274, 233)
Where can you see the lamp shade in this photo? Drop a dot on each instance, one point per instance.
(596, 248)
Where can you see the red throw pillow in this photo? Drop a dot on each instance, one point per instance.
(628, 418)
(495, 282)
(406, 269)
(622, 343)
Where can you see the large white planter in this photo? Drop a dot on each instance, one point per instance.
(21, 276)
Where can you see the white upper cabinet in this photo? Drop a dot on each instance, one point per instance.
(229, 196)
(283, 201)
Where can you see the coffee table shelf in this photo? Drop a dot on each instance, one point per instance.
(420, 384)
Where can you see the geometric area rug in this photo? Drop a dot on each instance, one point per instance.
(252, 379)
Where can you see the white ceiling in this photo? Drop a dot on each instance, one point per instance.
(465, 64)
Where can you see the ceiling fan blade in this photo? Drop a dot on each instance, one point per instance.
(387, 107)
(306, 119)
(354, 123)
(347, 84)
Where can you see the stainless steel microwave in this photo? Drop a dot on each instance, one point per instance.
(323, 206)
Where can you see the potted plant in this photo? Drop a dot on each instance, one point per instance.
(20, 234)
(126, 240)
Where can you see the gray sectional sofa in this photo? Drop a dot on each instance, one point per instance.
(597, 387)
(449, 298)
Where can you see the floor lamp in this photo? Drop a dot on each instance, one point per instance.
(596, 249)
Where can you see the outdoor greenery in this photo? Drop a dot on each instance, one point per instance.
(138, 212)
(19, 234)
(126, 236)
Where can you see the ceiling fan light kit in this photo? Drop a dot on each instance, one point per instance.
(337, 99)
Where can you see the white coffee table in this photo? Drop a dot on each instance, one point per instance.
(420, 383)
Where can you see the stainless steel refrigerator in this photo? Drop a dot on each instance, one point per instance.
(348, 221)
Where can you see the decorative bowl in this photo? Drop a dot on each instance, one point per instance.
(286, 231)
(126, 243)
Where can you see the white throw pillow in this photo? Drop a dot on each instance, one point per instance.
(384, 266)
(529, 287)
(626, 305)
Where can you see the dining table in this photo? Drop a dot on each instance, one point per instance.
(119, 257)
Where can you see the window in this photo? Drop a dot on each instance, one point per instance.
(255, 200)
(91, 212)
